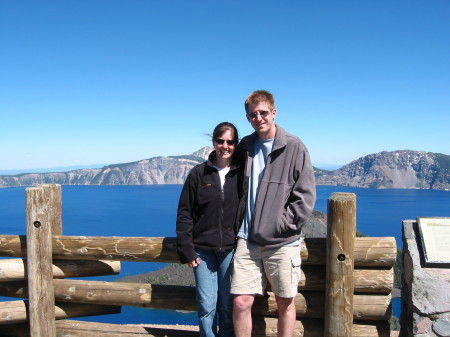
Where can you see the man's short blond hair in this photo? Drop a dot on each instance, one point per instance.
(260, 96)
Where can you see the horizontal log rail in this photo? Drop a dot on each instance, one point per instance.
(366, 279)
(17, 311)
(312, 279)
(16, 269)
(261, 327)
(369, 251)
(308, 303)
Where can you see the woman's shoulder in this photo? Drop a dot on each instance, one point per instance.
(200, 169)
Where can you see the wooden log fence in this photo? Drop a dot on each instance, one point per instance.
(345, 289)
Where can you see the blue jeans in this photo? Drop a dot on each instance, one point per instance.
(212, 277)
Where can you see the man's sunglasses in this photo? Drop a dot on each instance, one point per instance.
(222, 141)
(261, 113)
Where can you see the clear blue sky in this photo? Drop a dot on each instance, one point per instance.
(100, 82)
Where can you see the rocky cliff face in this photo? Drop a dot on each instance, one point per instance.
(397, 169)
(158, 170)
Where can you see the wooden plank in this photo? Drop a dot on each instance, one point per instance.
(339, 268)
(39, 264)
(53, 200)
(313, 277)
(373, 280)
(16, 269)
(313, 327)
(372, 307)
(267, 326)
(13, 312)
(18, 311)
(366, 280)
(124, 293)
(369, 251)
(78, 328)
(308, 303)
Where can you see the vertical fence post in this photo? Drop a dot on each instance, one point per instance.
(39, 261)
(339, 269)
(52, 195)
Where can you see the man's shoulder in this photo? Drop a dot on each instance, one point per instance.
(246, 142)
(289, 138)
(249, 136)
(292, 138)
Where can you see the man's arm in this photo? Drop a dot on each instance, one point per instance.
(303, 194)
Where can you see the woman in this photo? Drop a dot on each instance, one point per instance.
(207, 228)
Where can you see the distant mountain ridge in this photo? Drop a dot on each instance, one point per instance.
(396, 169)
(152, 171)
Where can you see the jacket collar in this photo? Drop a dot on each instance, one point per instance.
(280, 140)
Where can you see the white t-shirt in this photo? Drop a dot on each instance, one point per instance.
(222, 173)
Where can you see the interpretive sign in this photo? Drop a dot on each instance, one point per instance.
(435, 235)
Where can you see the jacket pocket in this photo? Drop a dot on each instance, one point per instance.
(275, 207)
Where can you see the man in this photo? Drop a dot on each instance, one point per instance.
(280, 187)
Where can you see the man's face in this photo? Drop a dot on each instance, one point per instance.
(264, 126)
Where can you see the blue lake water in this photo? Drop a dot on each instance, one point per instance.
(151, 211)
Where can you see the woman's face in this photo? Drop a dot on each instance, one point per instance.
(226, 149)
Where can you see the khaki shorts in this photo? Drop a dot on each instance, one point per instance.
(254, 265)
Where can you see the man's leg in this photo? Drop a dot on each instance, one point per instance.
(286, 316)
(242, 315)
(248, 279)
(282, 267)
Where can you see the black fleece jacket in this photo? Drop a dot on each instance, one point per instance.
(207, 216)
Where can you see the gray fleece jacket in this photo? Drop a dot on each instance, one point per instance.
(287, 191)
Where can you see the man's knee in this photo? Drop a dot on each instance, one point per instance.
(243, 302)
(285, 304)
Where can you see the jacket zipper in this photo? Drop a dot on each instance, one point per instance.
(221, 220)
(221, 213)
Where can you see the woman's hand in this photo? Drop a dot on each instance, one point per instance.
(194, 263)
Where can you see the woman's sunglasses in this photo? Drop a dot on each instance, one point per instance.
(222, 141)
